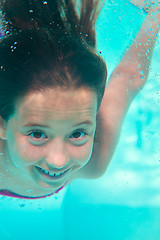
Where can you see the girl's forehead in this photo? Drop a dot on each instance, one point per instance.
(58, 102)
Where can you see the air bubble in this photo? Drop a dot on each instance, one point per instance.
(45, 2)
(22, 205)
(31, 11)
(3, 69)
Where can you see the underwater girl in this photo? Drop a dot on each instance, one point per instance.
(59, 120)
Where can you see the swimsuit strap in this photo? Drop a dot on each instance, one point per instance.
(4, 192)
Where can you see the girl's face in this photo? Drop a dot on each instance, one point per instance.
(51, 133)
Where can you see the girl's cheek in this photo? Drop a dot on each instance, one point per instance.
(81, 152)
(26, 151)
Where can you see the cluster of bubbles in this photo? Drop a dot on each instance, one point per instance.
(13, 47)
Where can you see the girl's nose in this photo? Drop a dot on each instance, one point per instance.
(57, 156)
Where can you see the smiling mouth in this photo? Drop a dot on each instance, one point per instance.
(51, 176)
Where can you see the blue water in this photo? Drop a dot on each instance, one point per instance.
(124, 204)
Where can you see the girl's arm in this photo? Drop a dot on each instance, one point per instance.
(132, 72)
(126, 81)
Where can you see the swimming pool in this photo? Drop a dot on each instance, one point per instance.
(125, 202)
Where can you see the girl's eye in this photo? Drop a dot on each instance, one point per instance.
(36, 134)
(79, 134)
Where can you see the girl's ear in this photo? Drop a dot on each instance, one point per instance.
(2, 129)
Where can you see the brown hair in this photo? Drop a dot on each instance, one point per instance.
(46, 44)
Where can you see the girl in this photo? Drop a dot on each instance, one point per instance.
(59, 121)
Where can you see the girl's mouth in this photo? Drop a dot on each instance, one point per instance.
(51, 176)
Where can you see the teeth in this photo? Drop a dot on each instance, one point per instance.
(52, 174)
(58, 174)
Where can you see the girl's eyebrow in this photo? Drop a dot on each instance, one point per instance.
(35, 125)
(87, 122)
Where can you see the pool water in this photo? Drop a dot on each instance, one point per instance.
(124, 204)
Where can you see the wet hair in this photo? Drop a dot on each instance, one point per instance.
(48, 44)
